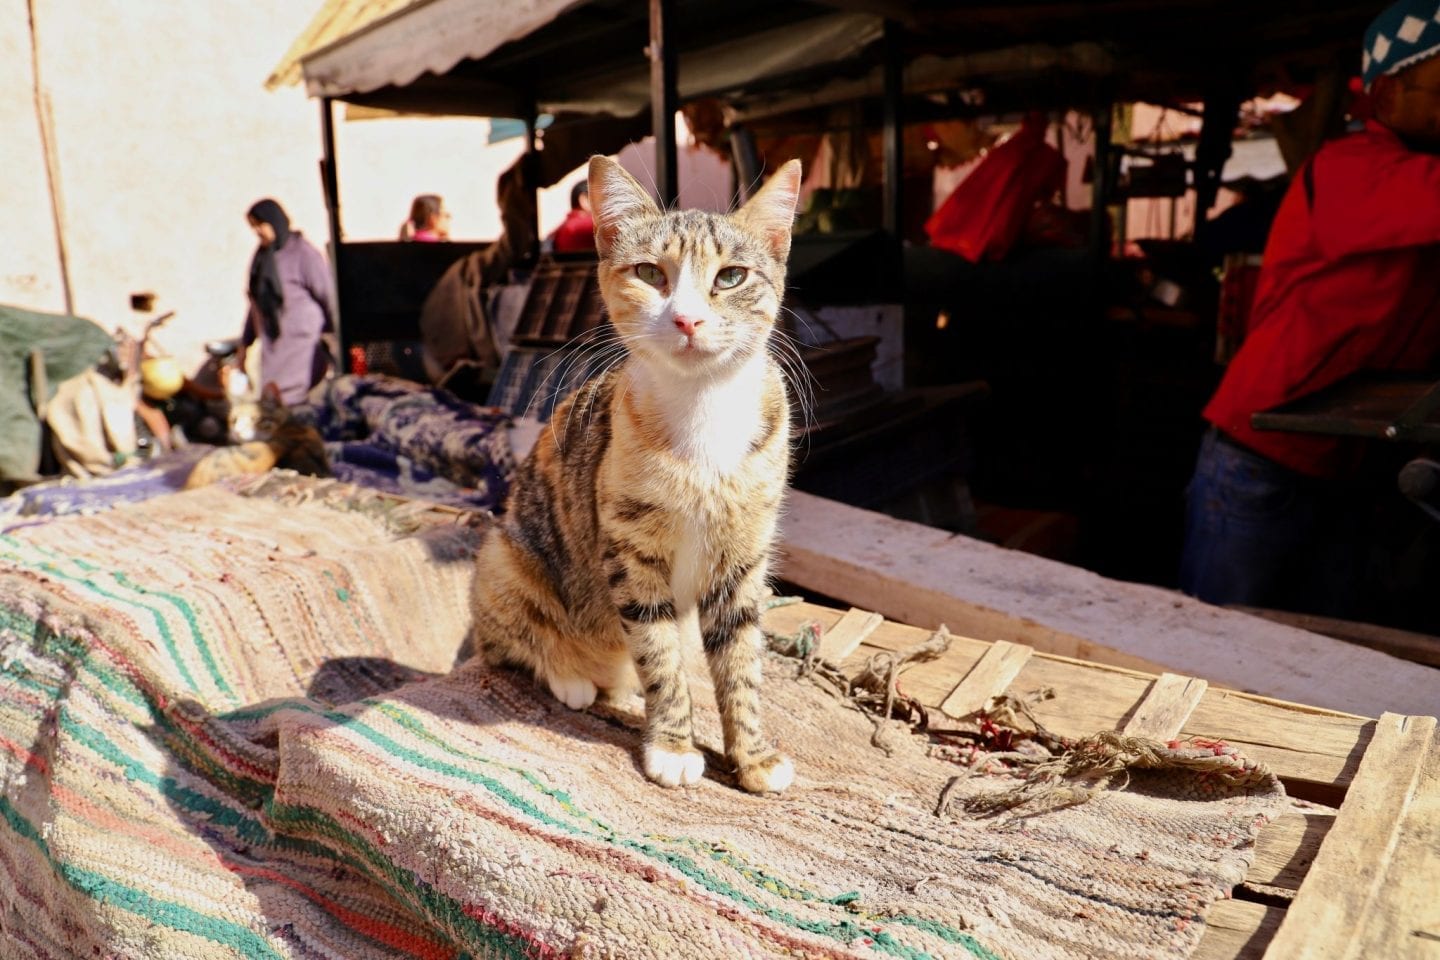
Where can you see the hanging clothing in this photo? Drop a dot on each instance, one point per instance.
(986, 214)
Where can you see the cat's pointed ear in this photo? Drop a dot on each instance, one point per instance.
(615, 198)
(771, 212)
(271, 391)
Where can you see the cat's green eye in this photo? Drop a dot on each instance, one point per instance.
(651, 274)
(729, 277)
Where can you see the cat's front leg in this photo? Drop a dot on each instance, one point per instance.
(670, 757)
(730, 631)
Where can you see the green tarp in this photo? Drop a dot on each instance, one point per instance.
(68, 346)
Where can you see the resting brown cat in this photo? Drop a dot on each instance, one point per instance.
(265, 435)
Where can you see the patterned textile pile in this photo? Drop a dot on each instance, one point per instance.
(224, 733)
(404, 438)
(381, 432)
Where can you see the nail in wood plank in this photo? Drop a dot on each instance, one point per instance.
(1167, 705)
(1390, 823)
(845, 637)
(990, 676)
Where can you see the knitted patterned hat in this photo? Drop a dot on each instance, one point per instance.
(1406, 33)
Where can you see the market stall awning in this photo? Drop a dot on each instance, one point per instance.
(507, 57)
(435, 51)
(425, 36)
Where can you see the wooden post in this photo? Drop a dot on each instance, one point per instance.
(45, 117)
(329, 175)
(330, 187)
(532, 167)
(894, 148)
(664, 100)
(1217, 129)
(1101, 186)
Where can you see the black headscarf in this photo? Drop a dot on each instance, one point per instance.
(265, 290)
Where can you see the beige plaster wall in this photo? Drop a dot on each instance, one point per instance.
(163, 136)
(29, 264)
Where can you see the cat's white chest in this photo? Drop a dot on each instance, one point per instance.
(712, 425)
(718, 436)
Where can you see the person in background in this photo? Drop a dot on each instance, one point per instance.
(577, 232)
(1350, 281)
(292, 298)
(429, 221)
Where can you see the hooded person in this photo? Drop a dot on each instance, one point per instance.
(291, 305)
(1349, 282)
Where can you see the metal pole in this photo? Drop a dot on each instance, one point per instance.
(894, 145)
(664, 100)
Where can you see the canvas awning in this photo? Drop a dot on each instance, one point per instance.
(423, 36)
(368, 51)
(508, 57)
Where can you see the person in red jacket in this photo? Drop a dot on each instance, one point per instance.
(1350, 281)
(577, 232)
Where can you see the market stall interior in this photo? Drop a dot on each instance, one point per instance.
(1048, 387)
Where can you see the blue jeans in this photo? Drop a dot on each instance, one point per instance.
(1260, 534)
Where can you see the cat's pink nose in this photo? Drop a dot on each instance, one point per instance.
(687, 325)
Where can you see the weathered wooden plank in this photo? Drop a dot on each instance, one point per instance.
(1304, 745)
(1409, 924)
(1371, 891)
(1405, 644)
(924, 576)
(846, 635)
(1288, 845)
(1238, 930)
(1163, 712)
(989, 677)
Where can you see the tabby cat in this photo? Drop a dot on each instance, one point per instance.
(265, 435)
(648, 507)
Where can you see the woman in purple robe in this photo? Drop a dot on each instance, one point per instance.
(292, 304)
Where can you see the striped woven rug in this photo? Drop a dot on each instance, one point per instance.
(226, 731)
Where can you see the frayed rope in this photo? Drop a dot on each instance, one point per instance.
(1102, 762)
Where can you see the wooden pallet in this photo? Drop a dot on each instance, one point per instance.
(1351, 870)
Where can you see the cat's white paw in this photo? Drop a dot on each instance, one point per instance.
(577, 693)
(772, 775)
(671, 769)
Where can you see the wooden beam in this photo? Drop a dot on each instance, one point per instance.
(1415, 647)
(330, 176)
(990, 677)
(845, 637)
(1314, 751)
(1100, 185)
(330, 190)
(1390, 823)
(1237, 930)
(664, 100)
(1288, 846)
(924, 576)
(1166, 707)
(532, 159)
(893, 150)
(50, 150)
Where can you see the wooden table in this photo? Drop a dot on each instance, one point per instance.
(1374, 406)
(1352, 869)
